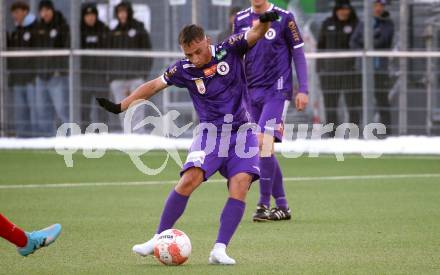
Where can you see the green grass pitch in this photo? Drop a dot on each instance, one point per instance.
(382, 225)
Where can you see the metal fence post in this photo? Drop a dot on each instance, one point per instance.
(2, 69)
(194, 12)
(429, 78)
(367, 66)
(74, 65)
(403, 45)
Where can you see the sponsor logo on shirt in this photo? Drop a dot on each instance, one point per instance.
(220, 55)
(233, 39)
(294, 30)
(210, 71)
(223, 68)
(170, 72)
(200, 86)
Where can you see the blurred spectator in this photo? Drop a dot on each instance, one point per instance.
(127, 73)
(52, 32)
(228, 31)
(94, 82)
(22, 77)
(383, 31)
(337, 75)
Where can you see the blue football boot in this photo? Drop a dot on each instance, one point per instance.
(39, 239)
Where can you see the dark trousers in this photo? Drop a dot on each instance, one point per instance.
(349, 86)
(382, 88)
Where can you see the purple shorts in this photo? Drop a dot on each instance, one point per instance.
(212, 152)
(269, 114)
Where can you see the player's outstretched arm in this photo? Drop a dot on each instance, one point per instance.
(260, 28)
(145, 91)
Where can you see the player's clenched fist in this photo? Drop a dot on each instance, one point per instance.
(109, 106)
(301, 102)
(269, 16)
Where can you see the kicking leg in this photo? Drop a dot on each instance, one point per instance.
(230, 217)
(174, 207)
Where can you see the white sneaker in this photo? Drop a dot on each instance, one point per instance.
(145, 249)
(218, 255)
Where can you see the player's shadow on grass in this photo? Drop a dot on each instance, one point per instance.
(153, 265)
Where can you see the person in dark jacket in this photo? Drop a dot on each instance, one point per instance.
(51, 32)
(21, 77)
(127, 73)
(229, 29)
(94, 82)
(383, 40)
(338, 75)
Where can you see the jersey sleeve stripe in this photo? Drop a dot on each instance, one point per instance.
(163, 80)
(246, 35)
(299, 46)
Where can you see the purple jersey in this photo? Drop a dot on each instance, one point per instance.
(268, 64)
(219, 88)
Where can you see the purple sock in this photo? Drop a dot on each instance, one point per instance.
(173, 209)
(278, 187)
(266, 170)
(230, 219)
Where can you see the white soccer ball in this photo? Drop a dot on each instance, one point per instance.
(172, 247)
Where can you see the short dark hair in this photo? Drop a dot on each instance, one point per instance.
(20, 5)
(234, 10)
(48, 4)
(191, 33)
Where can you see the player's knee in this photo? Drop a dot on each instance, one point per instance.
(266, 145)
(189, 181)
(239, 186)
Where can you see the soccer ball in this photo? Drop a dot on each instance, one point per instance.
(172, 247)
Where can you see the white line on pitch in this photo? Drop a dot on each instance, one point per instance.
(157, 182)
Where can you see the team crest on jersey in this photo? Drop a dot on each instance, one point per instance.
(223, 68)
(200, 86)
(270, 34)
(53, 33)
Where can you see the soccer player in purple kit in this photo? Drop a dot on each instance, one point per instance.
(215, 79)
(268, 67)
